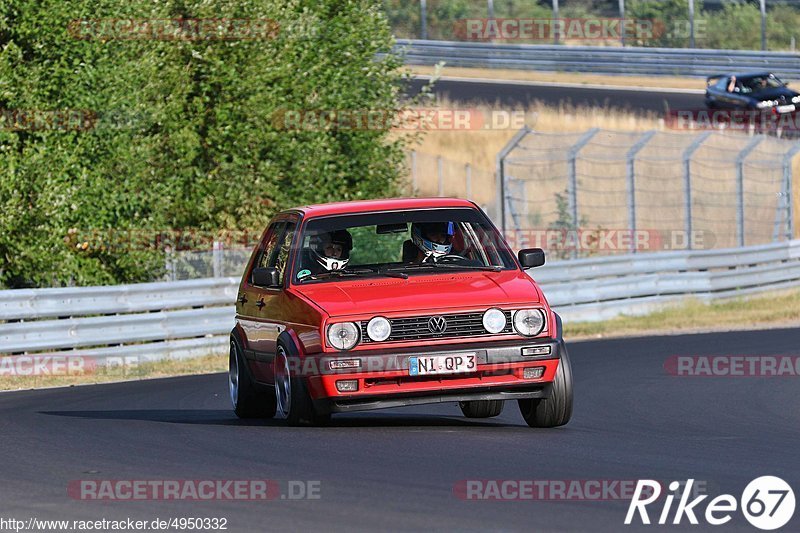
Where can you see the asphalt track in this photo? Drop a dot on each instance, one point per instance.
(524, 94)
(396, 469)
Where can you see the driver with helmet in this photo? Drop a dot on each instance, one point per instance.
(329, 251)
(433, 240)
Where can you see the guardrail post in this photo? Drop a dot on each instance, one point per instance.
(572, 192)
(553, 26)
(687, 183)
(787, 190)
(468, 180)
(413, 172)
(740, 186)
(217, 259)
(423, 20)
(763, 7)
(490, 9)
(691, 23)
(622, 22)
(440, 174)
(631, 175)
(500, 175)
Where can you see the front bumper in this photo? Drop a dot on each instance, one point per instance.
(384, 380)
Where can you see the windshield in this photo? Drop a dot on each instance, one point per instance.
(760, 83)
(398, 244)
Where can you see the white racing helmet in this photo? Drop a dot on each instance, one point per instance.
(327, 261)
(422, 233)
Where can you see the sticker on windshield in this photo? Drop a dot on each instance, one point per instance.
(303, 273)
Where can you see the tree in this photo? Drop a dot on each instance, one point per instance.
(180, 134)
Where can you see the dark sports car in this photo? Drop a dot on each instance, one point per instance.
(755, 91)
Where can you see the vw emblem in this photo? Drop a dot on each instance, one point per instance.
(437, 324)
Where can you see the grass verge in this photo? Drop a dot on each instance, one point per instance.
(155, 369)
(664, 82)
(777, 309)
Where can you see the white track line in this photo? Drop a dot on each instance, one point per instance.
(594, 86)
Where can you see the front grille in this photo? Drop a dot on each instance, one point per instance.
(416, 328)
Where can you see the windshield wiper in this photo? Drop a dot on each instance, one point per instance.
(453, 266)
(340, 273)
(357, 272)
(492, 268)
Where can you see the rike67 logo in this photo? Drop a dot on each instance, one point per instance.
(767, 503)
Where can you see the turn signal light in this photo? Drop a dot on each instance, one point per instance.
(533, 373)
(347, 385)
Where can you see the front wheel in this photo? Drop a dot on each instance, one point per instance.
(481, 408)
(248, 401)
(557, 409)
(291, 394)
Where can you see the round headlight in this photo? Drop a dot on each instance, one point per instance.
(529, 322)
(494, 321)
(379, 329)
(343, 335)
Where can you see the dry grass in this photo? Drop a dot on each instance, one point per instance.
(157, 369)
(602, 168)
(479, 148)
(778, 309)
(671, 82)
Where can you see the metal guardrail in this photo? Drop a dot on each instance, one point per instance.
(182, 319)
(596, 289)
(597, 59)
(150, 321)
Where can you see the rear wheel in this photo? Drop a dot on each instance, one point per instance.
(481, 408)
(557, 409)
(291, 394)
(248, 401)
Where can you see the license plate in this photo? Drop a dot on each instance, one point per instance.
(441, 364)
(786, 108)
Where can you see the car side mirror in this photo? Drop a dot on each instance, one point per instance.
(531, 257)
(266, 277)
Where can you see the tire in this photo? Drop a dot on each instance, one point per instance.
(557, 409)
(249, 401)
(481, 408)
(293, 403)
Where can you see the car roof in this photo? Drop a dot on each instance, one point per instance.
(389, 204)
(739, 75)
(747, 75)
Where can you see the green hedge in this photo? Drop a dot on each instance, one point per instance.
(182, 133)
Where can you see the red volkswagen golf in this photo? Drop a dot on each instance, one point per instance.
(365, 305)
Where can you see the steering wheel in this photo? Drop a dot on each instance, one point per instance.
(449, 258)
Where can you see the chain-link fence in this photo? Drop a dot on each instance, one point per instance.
(770, 24)
(621, 192)
(603, 192)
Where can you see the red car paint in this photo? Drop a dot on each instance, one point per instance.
(300, 314)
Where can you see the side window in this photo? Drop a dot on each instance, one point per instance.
(266, 258)
(285, 246)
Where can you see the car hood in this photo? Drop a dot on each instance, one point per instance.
(440, 292)
(775, 94)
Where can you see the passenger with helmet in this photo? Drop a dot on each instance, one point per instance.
(329, 251)
(429, 242)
